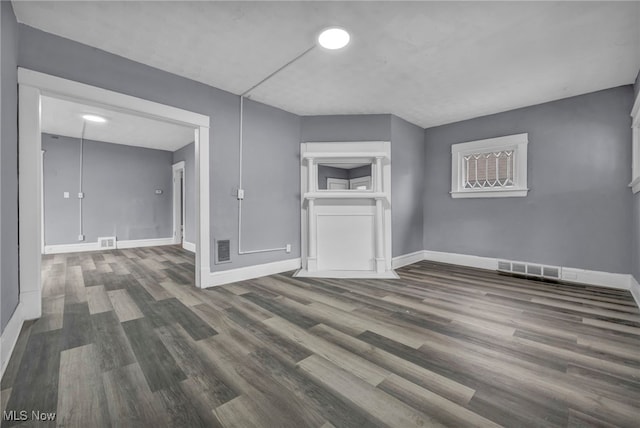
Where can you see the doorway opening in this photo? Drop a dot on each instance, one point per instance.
(180, 207)
(34, 87)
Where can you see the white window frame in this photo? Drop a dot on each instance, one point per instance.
(518, 143)
(635, 130)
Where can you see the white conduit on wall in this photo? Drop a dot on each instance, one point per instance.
(240, 188)
(80, 199)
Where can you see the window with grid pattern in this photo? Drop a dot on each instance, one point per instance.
(496, 167)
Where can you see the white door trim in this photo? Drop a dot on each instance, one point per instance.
(42, 244)
(331, 181)
(178, 203)
(32, 86)
(355, 182)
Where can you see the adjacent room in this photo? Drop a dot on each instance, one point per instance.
(320, 214)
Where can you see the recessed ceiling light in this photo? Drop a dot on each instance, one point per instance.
(94, 118)
(334, 38)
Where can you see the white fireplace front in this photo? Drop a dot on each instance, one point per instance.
(346, 209)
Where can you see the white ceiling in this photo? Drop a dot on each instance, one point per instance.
(62, 117)
(428, 62)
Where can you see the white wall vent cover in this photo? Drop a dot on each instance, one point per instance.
(529, 269)
(107, 243)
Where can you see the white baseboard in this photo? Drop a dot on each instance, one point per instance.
(137, 243)
(594, 277)
(461, 259)
(93, 246)
(31, 302)
(189, 246)
(347, 274)
(635, 290)
(407, 259)
(10, 337)
(71, 248)
(250, 272)
(580, 276)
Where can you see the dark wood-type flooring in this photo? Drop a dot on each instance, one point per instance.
(126, 340)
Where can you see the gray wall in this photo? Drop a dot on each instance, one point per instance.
(277, 143)
(407, 171)
(371, 127)
(407, 184)
(119, 184)
(271, 206)
(9, 289)
(361, 171)
(187, 155)
(635, 262)
(578, 210)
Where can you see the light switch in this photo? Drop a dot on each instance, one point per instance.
(80, 195)
(66, 195)
(158, 192)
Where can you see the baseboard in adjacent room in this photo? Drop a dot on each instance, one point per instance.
(71, 248)
(250, 272)
(93, 246)
(9, 337)
(189, 246)
(138, 243)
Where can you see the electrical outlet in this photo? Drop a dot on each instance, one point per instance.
(80, 237)
(288, 249)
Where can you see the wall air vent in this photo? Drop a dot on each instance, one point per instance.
(223, 251)
(529, 269)
(107, 243)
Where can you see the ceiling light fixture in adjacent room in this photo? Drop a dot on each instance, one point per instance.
(94, 118)
(334, 38)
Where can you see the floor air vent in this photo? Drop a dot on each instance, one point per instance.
(529, 269)
(504, 266)
(223, 251)
(518, 268)
(107, 243)
(551, 272)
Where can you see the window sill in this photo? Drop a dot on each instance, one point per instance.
(635, 185)
(514, 193)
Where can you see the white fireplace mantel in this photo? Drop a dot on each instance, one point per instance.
(346, 233)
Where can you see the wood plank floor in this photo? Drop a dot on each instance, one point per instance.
(126, 340)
